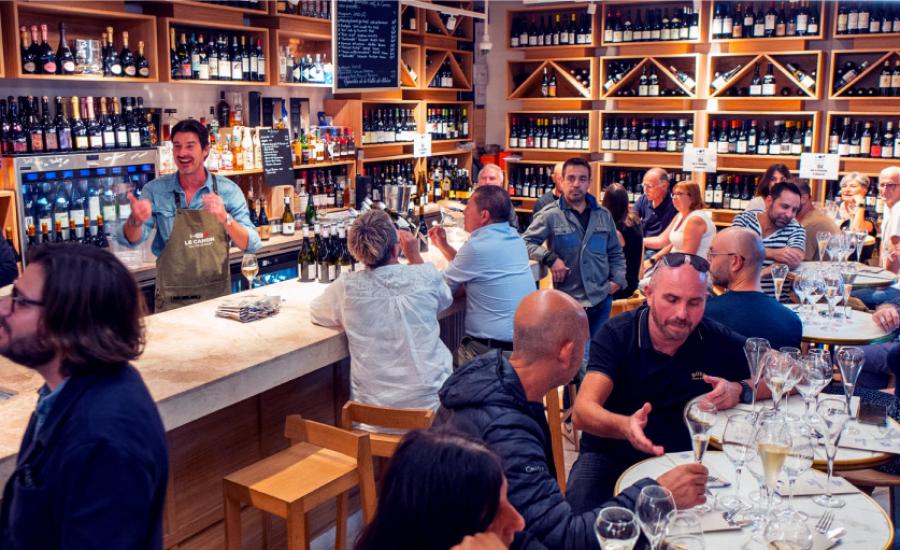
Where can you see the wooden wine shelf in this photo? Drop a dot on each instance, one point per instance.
(420, 22)
(81, 22)
(568, 88)
(767, 41)
(856, 36)
(591, 116)
(411, 55)
(596, 169)
(323, 165)
(566, 50)
(652, 157)
(662, 69)
(868, 166)
(655, 47)
(462, 69)
(463, 22)
(778, 60)
(300, 42)
(879, 57)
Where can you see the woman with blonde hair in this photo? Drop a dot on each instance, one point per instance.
(691, 231)
(852, 214)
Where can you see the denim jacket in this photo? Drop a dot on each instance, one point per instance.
(594, 257)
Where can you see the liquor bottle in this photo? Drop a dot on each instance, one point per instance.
(29, 54)
(223, 111)
(46, 57)
(112, 66)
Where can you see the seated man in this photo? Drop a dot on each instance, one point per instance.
(389, 312)
(782, 236)
(491, 174)
(492, 267)
(883, 360)
(889, 188)
(645, 366)
(655, 206)
(813, 220)
(736, 257)
(500, 402)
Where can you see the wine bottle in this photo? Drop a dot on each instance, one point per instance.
(127, 59)
(287, 218)
(141, 63)
(79, 130)
(46, 57)
(29, 55)
(65, 60)
(306, 259)
(112, 66)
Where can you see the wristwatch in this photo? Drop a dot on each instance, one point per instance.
(746, 392)
(228, 219)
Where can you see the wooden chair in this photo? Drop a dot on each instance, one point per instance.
(383, 444)
(323, 462)
(554, 414)
(627, 304)
(867, 479)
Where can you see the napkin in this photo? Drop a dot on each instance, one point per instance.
(821, 542)
(811, 483)
(715, 521)
(867, 440)
(249, 307)
(687, 457)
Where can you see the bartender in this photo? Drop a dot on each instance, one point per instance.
(195, 214)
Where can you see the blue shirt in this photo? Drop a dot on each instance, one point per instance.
(756, 315)
(160, 193)
(46, 398)
(493, 266)
(655, 219)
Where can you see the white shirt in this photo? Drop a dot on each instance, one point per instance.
(890, 227)
(676, 235)
(389, 314)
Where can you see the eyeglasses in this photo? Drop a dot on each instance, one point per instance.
(16, 298)
(708, 254)
(677, 259)
(887, 185)
(679, 194)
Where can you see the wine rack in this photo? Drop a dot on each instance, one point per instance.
(460, 112)
(733, 76)
(778, 28)
(541, 23)
(729, 160)
(253, 33)
(534, 122)
(865, 68)
(297, 44)
(880, 19)
(871, 165)
(447, 70)
(631, 77)
(655, 136)
(411, 21)
(411, 66)
(630, 24)
(446, 25)
(514, 172)
(572, 79)
(351, 113)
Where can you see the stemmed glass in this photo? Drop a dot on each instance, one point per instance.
(773, 444)
(850, 360)
(860, 244)
(780, 375)
(779, 272)
(789, 531)
(800, 458)
(828, 421)
(822, 238)
(851, 243)
(835, 244)
(848, 276)
(815, 291)
(684, 531)
(815, 375)
(833, 292)
(737, 442)
(249, 268)
(616, 528)
(754, 350)
(654, 509)
(700, 417)
(801, 286)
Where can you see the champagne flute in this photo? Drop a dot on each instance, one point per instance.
(249, 268)
(779, 273)
(799, 460)
(829, 420)
(773, 444)
(815, 375)
(801, 287)
(834, 247)
(737, 440)
(851, 240)
(754, 350)
(684, 531)
(774, 376)
(833, 290)
(654, 509)
(848, 276)
(616, 528)
(860, 244)
(850, 360)
(700, 417)
(815, 291)
(822, 238)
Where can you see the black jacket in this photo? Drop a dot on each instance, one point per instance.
(95, 476)
(486, 400)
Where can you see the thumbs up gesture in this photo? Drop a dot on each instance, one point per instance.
(141, 209)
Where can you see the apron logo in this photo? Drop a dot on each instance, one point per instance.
(199, 239)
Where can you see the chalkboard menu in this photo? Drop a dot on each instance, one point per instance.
(367, 45)
(276, 157)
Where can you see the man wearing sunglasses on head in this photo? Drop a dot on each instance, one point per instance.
(645, 366)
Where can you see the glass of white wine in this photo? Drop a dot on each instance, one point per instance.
(773, 444)
(848, 275)
(700, 417)
(249, 268)
(822, 238)
(616, 528)
(779, 273)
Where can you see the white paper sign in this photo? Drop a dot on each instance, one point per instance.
(422, 145)
(699, 159)
(819, 166)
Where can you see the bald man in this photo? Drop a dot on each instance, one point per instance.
(645, 366)
(553, 194)
(736, 257)
(500, 402)
(655, 206)
(491, 174)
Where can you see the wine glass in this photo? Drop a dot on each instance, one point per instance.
(684, 531)
(828, 421)
(815, 374)
(833, 291)
(850, 360)
(700, 417)
(754, 350)
(773, 444)
(834, 246)
(822, 238)
(851, 240)
(848, 276)
(779, 272)
(249, 268)
(774, 374)
(737, 441)
(860, 244)
(616, 528)
(800, 458)
(654, 509)
(815, 291)
(788, 531)
(801, 287)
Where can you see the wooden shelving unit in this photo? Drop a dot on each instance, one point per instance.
(437, 104)
(868, 166)
(688, 63)
(773, 41)
(737, 87)
(411, 55)
(81, 22)
(628, 8)
(410, 16)
(299, 43)
(163, 30)
(524, 78)
(349, 112)
(648, 158)
(516, 18)
(206, 12)
(730, 161)
(590, 116)
(868, 77)
(514, 162)
(855, 36)
(460, 64)
(438, 25)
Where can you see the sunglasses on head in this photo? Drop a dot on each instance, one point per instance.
(677, 259)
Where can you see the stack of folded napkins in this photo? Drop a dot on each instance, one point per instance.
(249, 307)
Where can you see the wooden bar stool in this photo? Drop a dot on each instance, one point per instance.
(384, 444)
(323, 462)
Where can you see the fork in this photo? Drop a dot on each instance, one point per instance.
(825, 522)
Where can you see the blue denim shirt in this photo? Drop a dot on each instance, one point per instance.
(46, 398)
(160, 193)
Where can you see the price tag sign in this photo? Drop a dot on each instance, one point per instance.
(819, 166)
(699, 159)
(422, 145)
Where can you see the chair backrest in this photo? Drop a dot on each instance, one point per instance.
(385, 417)
(556, 437)
(355, 445)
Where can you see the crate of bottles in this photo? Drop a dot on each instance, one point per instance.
(780, 75)
(534, 28)
(199, 53)
(866, 19)
(624, 24)
(658, 133)
(659, 76)
(551, 131)
(766, 21)
(865, 74)
(557, 78)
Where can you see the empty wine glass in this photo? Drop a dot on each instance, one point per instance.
(801, 287)
(848, 276)
(249, 268)
(654, 508)
(834, 246)
(775, 375)
(850, 360)
(828, 421)
(616, 528)
(815, 291)
(833, 290)
(815, 374)
(788, 531)
(773, 444)
(779, 272)
(800, 458)
(851, 239)
(737, 441)
(684, 531)
(860, 244)
(822, 238)
(700, 417)
(754, 350)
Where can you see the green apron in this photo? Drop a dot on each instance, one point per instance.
(193, 267)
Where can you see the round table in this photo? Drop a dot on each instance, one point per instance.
(860, 329)
(867, 276)
(845, 459)
(867, 525)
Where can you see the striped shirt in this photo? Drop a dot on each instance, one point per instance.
(790, 236)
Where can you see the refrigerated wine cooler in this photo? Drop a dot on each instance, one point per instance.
(60, 193)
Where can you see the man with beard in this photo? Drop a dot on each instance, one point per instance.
(92, 468)
(782, 235)
(582, 251)
(645, 366)
(735, 258)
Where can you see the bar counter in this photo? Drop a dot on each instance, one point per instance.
(223, 389)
